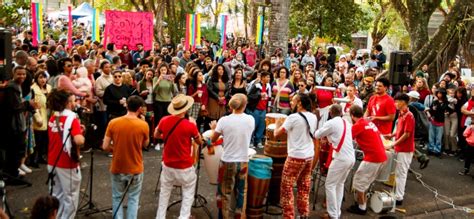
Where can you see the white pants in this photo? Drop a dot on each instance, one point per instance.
(186, 178)
(337, 174)
(401, 173)
(67, 184)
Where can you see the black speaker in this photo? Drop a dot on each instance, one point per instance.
(401, 65)
(6, 60)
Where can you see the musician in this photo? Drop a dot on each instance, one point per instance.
(353, 101)
(381, 107)
(404, 144)
(367, 136)
(299, 126)
(125, 137)
(177, 131)
(64, 126)
(236, 130)
(339, 134)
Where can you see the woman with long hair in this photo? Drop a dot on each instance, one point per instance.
(238, 84)
(282, 91)
(145, 90)
(180, 84)
(40, 125)
(297, 76)
(198, 90)
(421, 86)
(217, 87)
(436, 115)
(163, 90)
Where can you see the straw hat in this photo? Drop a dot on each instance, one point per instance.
(180, 104)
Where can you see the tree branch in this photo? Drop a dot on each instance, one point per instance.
(444, 12)
(135, 4)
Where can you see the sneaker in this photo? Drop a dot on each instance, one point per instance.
(25, 168)
(399, 202)
(158, 146)
(260, 145)
(21, 172)
(464, 172)
(356, 210)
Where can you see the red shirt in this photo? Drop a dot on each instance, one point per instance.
(250, 56)
(324, 97)
(262, 104)
(368, 138)
(382, 106)
(423, 93)
(55, 145)
(204, 97)
(177, 152)
(405, 123)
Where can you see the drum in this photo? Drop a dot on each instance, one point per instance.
(275, 182)
(255, 212)
(381, 202)
(271, 118)
(388, 167)
(317, 149)
(275, 147)
(323, 156)
(211, 162)
(259, 175)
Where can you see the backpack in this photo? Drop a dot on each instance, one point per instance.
(421, 124)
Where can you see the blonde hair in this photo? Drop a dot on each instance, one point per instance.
(238, 102)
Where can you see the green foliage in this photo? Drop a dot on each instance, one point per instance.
(9, 15)
(211, 34)
(336, 20)
(122, 5)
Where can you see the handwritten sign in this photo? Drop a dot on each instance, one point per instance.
(129, 28)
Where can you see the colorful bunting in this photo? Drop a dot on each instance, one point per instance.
(95, 26)
(193, 31)
(37, 22)
(259, 37)
(223, 31)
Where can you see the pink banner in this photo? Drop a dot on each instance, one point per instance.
(129, 28)
(34, 24)
(69, 27)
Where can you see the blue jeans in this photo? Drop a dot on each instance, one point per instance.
(259, 117)
(119, 184)
(435, 136)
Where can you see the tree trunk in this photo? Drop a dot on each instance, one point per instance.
(278, 28)
(253, 20)
(246, 17)
(418, 30)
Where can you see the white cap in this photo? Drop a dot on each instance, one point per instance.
(414, 94)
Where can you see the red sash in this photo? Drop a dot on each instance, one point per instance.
(331, 149)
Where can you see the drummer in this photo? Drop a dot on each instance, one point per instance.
(381, 107)
(236, 130)
(299, 127)
(367, 136)
(404, 145)
(339, 135)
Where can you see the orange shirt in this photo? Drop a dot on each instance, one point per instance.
(128, 136)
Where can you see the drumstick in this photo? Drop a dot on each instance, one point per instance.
(401, 210)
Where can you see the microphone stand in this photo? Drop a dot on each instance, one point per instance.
(51, 174)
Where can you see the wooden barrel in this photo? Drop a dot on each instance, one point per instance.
(270, 118)
(259, 176)
(256, 213)
(275, 182)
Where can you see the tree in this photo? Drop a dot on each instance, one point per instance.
(9, 15)
(383, 19)
(336, 20)
(214, 7)
(278, 28)
(438, 51)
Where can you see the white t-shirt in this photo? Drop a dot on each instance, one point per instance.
(333, 129)
(236, 129)
(300, 144)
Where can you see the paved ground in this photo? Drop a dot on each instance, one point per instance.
(419, 202)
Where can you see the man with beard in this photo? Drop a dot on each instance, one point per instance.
(139, 55)
(339, 134)
(366, 89)
(381, 107)
(166, 56)
(300, 125)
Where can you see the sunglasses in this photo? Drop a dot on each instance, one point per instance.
(68, 66)
(301, 85)
(118, 76)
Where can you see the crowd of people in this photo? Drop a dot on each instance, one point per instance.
(165, 97)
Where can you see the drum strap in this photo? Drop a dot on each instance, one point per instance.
(342, 138)
(171, 131)
(307, 124)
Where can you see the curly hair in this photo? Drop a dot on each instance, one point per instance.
(58, 99)
(215, 75)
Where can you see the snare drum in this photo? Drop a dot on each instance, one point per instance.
(271, 118)
(259, 175)
(381, 202)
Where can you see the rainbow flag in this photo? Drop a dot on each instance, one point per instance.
(223, 31)
(259, 35)
(95, 26)
(69, 27)
(37, 22)
(193, 31)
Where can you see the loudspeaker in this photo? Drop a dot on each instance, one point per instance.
(401, 65)
(6, 60)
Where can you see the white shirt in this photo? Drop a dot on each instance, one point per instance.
(333, 129)
(300, 143)
(236, 130)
